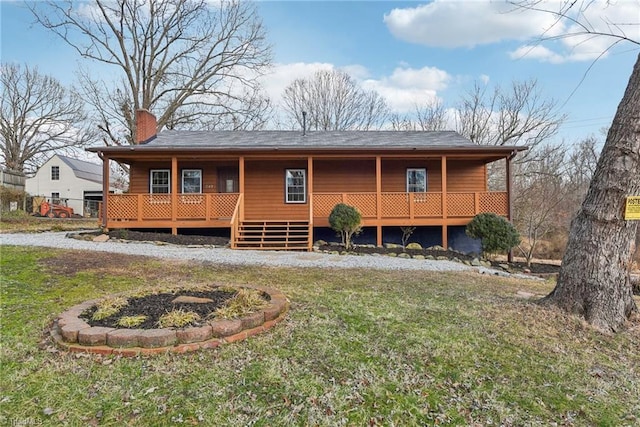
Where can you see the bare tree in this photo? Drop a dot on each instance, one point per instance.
(514, 116)
(580, 168)
(540, 194)
(38, 116)
(594, 280)
(431, 116)
(518, 115)
(192, 63)
(333, 100)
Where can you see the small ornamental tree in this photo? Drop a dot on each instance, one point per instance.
(346, 221)
(406, 233)
(496, 233)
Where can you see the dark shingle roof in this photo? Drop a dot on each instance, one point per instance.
(295, 140)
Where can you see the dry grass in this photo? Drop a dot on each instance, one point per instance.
(178, 318)
(20, 222)
(357, 347)
(244, 301)
(107, 307)
(131, 321)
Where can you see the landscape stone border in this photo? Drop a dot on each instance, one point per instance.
(72, 333)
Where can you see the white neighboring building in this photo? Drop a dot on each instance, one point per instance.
(66, 180)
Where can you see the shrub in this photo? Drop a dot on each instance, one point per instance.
(346, 221)
(8, 195)
(497, 234)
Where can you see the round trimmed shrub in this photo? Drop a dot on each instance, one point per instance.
(345, 219)
(496, 233)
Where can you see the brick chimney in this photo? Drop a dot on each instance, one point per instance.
(146, 126)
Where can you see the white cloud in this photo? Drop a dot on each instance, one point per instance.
(456, 23)
(407, 87)
(538, 52)
(403, 89)
(459, 23)
(282, 75)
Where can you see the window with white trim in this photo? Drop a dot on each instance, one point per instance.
(160, 181)
(55, 173)
(192, 181)
(416, 180)
(296, 186)
(55, 198)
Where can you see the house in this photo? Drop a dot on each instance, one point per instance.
(275, 189)
(65, 180)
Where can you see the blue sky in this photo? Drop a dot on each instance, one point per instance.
(412, 52)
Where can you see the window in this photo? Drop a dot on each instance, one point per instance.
(160, 181)
(55, 173)
(296, 186)
(416, 180)
(192, 181)
(55, 198)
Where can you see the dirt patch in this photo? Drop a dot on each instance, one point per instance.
(77, 261)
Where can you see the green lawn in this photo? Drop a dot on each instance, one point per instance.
(358, 348)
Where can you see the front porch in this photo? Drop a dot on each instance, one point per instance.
(226, 210)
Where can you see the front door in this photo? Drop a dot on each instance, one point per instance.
(228, 181)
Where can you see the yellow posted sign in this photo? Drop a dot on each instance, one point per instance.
(632, 208)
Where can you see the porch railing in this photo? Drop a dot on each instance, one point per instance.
(413, 205)
(153, 207)
(227, 207)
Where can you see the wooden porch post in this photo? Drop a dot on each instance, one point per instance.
(241, 183)
(443, 177)
(310, 198)
(310, 185)
(105, 188)
(174, 193)
(378, 200)
(509, 208)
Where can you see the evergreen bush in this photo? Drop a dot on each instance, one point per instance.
(496, 233)
(346, 221)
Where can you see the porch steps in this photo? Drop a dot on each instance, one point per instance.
(273, 235)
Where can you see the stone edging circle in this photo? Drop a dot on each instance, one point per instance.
(72, 333)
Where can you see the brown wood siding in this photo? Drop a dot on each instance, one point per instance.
(394, 174)
(264, 191)
(140, 172)
(139, 175)
(342, 176)
(465, 176)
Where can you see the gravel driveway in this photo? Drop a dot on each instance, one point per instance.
(233, 257)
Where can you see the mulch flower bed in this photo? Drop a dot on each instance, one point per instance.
(75, 330)
(154, 306)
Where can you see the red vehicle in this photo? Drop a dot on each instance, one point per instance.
(55, 210)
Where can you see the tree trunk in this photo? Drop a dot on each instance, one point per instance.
(594, 278)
